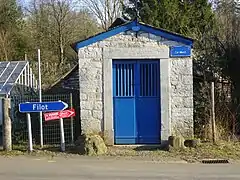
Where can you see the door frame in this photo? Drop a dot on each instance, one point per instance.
(161, 53)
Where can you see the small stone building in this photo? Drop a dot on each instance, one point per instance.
(136, 84)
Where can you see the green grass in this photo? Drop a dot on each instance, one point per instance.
(223, 150)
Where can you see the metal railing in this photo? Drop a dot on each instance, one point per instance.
(51, 129)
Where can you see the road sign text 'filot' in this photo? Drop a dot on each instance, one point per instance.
(42, 106)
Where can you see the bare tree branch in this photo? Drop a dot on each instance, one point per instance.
(106, 11)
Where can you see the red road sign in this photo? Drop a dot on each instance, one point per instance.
(60, 114)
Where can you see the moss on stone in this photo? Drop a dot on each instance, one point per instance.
(91, 144)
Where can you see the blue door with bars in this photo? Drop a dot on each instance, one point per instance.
(136, 101)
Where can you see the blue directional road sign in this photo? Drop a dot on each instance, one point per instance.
(42, 106)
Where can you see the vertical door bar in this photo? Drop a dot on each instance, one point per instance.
(149, 79)
(141, 80)
(137, 79)
(131, 78)
(151, 75)
(114, 74)
(125, 79)
(156, 79)
(122, 79)
(118, 80)
(128, 84)
(145, 80)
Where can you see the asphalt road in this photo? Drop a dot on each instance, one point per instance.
(83, 168)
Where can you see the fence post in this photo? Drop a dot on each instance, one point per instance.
(7, 125)
(213, 114)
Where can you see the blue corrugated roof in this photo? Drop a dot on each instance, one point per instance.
(130, 26)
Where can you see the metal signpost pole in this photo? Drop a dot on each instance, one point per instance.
(40, 97)
(45, 107)
(29, 132)
(62, 135)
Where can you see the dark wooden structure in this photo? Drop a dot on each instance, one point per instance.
(69, 84)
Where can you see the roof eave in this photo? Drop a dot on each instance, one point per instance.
(101, 36)
(128, 26)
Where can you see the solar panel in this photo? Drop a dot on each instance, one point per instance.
(17, 71)
(6, 88)
(4, 64)
(9, 73)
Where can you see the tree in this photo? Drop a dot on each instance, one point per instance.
(52, 25)
(57, 22)
(228, 51)
(10, 30)
(106, 11)
(179, 16)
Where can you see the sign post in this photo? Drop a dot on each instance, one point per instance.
(62, 135)
(60, 115)
(40, 107)
(30, 145)
(40, 96)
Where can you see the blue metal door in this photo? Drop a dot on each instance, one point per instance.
(136, 101)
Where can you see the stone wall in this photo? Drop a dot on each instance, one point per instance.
(181, 95)
(91, 79)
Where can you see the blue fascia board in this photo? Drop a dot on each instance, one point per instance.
(104, 35)
(166, 35)
(129, 26)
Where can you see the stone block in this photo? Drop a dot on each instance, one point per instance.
(103, 44)
(177, 142)
(177, 102)
(187, 79)
(86, 114)
(146, 35)
(98, 96)
(87, 105)
(182, 102)
(97, 114)
(90, 87)
(91, 52)
(83, 97)
(192, 143)
(181, 90)
(188, 102)
(91, 145)
(96, 63)
(99, 90)
(98, 105)
(183, 128)
(91, 125)
(182, 112)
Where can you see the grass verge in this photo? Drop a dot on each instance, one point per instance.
(222, 150)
